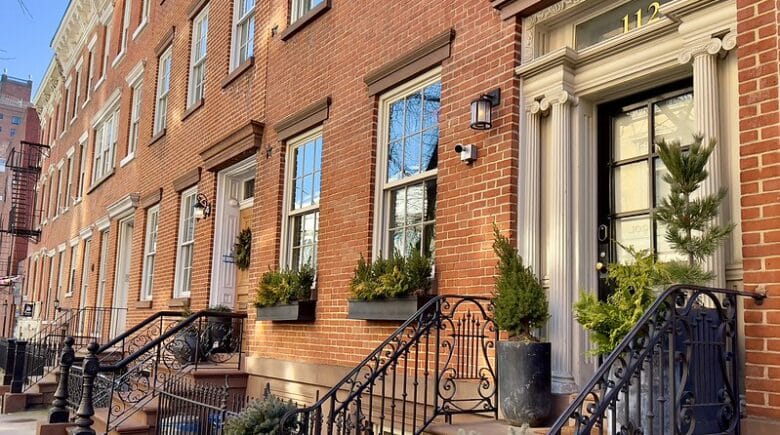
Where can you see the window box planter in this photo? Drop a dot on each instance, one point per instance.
(301, 311)
(387, 309)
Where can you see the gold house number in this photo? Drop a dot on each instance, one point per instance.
(653, 9)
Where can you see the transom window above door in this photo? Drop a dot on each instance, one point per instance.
(634, 172)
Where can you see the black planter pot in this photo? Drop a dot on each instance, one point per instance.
(524, 382)
(301, 311)
(184, 346)
(387, 309)
(221, 334)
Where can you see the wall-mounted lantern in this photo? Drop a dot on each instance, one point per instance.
(481, 110)
(202, 207)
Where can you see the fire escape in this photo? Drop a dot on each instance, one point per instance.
(24, 165)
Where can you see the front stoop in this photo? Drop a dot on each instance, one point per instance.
(760, 426)
(53, 428)
(143, 422)
(39, 395)
(236, 380)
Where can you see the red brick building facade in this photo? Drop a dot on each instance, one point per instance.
(124, 108)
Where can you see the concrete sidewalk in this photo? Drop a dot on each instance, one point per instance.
(22, 423)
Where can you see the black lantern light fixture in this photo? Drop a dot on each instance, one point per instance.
(481, 110)
(202, 207)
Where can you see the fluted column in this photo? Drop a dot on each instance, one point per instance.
(706, 105)
(559, 252)
(530, 191)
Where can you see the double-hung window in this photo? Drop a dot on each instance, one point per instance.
(301, 7)
(72, 274)
(60, 267)
(77, 96)
(105, 146)
(16, 120)
(60, 186)
(90, 73)
(125, 27)
(409, 139)
(68, 188)
(243, 32)
(303, 200)
(150, 251)
(200, 30)
(186, 244)
(82, 169)
(135, 119)
(106, 51)
(163, 89)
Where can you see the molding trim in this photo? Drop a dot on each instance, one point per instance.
(234, 147)
(124, 207)
(195, 8)
(62, 246)
(165, 42)
(428, 55)
(150, 198)
(103, 223)
(74, 241)
(186, 180)
(305, 119)
(111, 102)
(136, 73)
(86, 233)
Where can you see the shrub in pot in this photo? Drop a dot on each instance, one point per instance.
(286, 295)
(260, 417)
(524, 363)
(390, 288)
(221, 330)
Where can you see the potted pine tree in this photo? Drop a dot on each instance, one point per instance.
(524, 362)
(285, 295)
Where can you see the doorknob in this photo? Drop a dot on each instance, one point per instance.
(601, 267)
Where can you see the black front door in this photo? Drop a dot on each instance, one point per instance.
(630, 173)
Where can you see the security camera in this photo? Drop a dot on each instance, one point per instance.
(468, 153)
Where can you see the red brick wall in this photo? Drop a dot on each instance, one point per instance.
(760, 179)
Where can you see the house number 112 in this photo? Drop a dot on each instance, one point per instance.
(653, 9)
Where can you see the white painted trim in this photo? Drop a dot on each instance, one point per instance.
(111, 102)
(74, 241)
(83, 138)
(124, 207)
(118, 58)
(51, 252)
(103, 223)
(92, 42)
(86, 233)
(71, 152)
(60, 164)
(127, 159)
(62, 246)
(140, 27)
(136, 73)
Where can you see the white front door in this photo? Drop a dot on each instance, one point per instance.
(85, 284)
(122, 279)
(231, 192)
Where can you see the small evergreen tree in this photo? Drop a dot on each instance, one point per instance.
(689, 220)
(520, 302)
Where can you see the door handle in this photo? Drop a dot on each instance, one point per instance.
(601, 267)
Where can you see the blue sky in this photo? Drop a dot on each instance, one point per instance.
(25, 36)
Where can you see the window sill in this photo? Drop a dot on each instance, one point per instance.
(238, 71)
(76, 202)
(69, 295)
(160, 134)
(140, 27)
(99, 82)
(44, 222)
(128, 158)
(193, 108)
(85, 103)
(304, 20)
(73, 120)
(99, 182)
(147, 303)
(180, 302)
(118, 58)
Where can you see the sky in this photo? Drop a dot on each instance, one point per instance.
(26, 30)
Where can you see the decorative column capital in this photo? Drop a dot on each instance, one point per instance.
(707, 47)
(533, 107)
(558, 97)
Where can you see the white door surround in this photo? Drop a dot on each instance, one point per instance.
(561, 88)
(226, 227)
(122, 276)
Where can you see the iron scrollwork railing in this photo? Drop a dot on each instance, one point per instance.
(206, 339)
(676, 372)
(436, 364)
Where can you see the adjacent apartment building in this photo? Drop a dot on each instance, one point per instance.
(18, 122)
(328, 128)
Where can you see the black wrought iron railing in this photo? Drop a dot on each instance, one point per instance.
(437, 364)
(83, 324)
(204, 340)
(676, 372)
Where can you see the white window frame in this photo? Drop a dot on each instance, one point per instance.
(150, 252)
(90, 69)
(134, 132)
(125, 33)
(60, 208)
(77, 95)
(299, 8)
(72, 275)
(68, 188)
(164, 66)
(86, 254)
(106, 54)
(105, 146)
(102, 266)
(60, 267)
(289, 211)
(183, 276)
(197, 78)
(82, 170)
(67, 106)
(382, 246)
(238, 43)
(144, 18)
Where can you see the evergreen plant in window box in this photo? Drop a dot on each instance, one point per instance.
(285, 295)
(390, 288)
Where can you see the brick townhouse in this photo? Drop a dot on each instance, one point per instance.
(18, 122)
(286, 117)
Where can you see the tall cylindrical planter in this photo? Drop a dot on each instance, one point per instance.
(524, 382)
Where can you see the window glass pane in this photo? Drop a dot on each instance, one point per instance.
(673, 119)
(634, 232)
(413, 134)
(630, 130)
(396, 121)
(413, 116)
(631, 187)
(663, 247)
(662, 188)
(412, 155)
